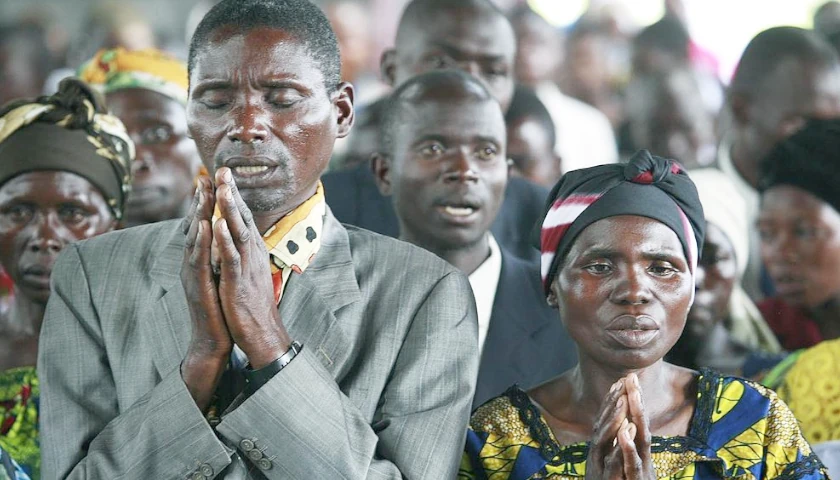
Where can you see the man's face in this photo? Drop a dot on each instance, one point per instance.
(539, 51)
(481, 44)
(790, 95)
(258, 104)
(167, 161)
(448, 171)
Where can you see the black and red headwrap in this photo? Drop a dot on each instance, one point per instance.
(646, 186)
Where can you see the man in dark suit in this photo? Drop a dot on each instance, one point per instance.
(469, 35)
(446, 172)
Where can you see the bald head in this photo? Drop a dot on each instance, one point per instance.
(470, 35)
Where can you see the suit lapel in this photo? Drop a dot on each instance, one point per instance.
(512, 324)
(311, 300)
(169, 313)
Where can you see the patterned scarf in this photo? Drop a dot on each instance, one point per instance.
(647, 186)
(100, 152)
(150, 69)
(294, 240)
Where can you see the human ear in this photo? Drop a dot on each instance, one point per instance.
(388, 66)
(346, 110)
(380, 164)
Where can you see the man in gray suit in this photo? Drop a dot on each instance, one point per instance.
(165, 352)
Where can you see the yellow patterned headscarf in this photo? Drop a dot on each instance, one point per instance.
(68, 131)
(150, 69)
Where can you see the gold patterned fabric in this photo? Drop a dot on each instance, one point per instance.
(99, 151)
(811, 386)
(739, 430)
(151, 69)
(20, 396)
(294, 240)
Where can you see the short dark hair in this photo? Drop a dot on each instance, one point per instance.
(808, 159)
(525, 103)
(415, 88)
(668, 35)
(300, 18)
(770, 48)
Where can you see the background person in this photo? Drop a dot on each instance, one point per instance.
(147, 90)
(799, 225)
(724, 330)
(64, 176)
(443, 163)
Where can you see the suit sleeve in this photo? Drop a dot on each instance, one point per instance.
(84, 432)
(306, 427)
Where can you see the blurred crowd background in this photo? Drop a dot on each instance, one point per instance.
(599, 43)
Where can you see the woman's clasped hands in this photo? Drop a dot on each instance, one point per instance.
(620, 446)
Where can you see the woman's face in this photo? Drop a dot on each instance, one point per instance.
(624, 291)
(40, 213)
(716, 275)
(800, 246)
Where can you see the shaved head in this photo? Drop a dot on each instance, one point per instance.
(442, 86)
(469, 35)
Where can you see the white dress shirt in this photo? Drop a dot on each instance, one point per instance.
(585, 137)
(484, 282)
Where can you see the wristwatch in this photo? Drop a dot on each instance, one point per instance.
(258, 378)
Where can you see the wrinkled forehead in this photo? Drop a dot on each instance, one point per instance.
(258, 53)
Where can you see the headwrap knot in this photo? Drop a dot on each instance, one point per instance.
(68, 132)
(647, 186)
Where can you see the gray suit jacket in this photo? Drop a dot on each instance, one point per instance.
(382, 388)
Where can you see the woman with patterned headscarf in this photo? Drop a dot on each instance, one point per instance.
(65, 175)
(619, 249)
(147, 90)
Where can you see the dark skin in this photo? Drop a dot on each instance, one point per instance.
(477, 40)
(705, 334)
(447, 172)
(778, 107)
(40, 213)
(167, 160)
(258, 100)
(537, 58)
(532, 151)
(676, 125)
(623, 293)
(800, 246)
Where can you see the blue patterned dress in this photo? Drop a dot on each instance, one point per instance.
(738, 430)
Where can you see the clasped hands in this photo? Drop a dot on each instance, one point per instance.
(620, 446)
(236, 303)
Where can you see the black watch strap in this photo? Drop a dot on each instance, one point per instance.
(258, 378)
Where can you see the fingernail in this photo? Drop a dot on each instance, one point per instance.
(200, 227)
(623, 424)
(630, 431)
(228, 194)
(226, 175)
(620, 402)
(614, 387)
